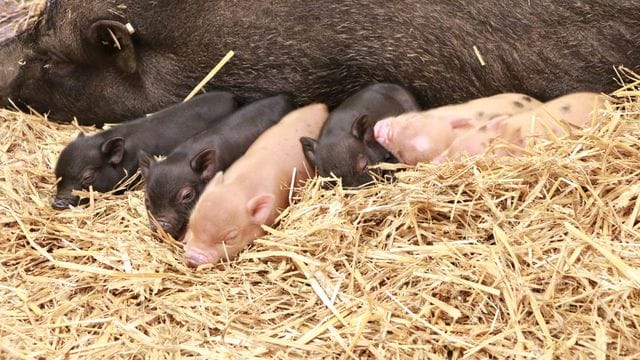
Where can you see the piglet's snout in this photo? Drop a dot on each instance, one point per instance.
(195, 257)
(381, 131)
(62, 203)
(164, 224)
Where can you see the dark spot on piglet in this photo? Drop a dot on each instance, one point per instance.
(527, 98)
(518, 104)
(566, 109)
(483, 128)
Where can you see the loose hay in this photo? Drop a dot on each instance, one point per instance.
(490, 258)
(16, 16)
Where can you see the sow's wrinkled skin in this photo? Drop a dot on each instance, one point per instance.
(173, 185)
(111, 156)
(422, 136)
(347, 146)
(234, 205)
(324, 50)
(554, 118)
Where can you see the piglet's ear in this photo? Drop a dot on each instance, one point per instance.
(144, 162)
(309, 149)
(218, 179)
(113, 150)
(497, 123)
(362, 129)
(260, 207)
(359, 127)
(204, 163)
(113, 40)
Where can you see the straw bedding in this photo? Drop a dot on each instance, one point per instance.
(17, 15)
(531, 257)
(489, 258)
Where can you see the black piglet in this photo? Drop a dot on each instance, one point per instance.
(105, 159)
(173, 185)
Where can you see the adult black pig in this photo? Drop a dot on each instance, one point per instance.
(111, 156)
(347, 146)
(83, 60)
(173, 185)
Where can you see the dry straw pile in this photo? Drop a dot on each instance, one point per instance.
(17, 15)
(532, 257)
(510, 258)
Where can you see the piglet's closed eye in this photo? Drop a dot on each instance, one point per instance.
(362, 164)
(458, 122)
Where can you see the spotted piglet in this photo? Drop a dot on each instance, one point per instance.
(422, 136)
(556, 117)
(234, 205)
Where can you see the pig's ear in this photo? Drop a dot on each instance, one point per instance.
(204, 164)
(260, 207)
(496, 124)
(362, 130)
(309, 149)
(113, 150)
(358, 126)
(114, 40)
(144, 162)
